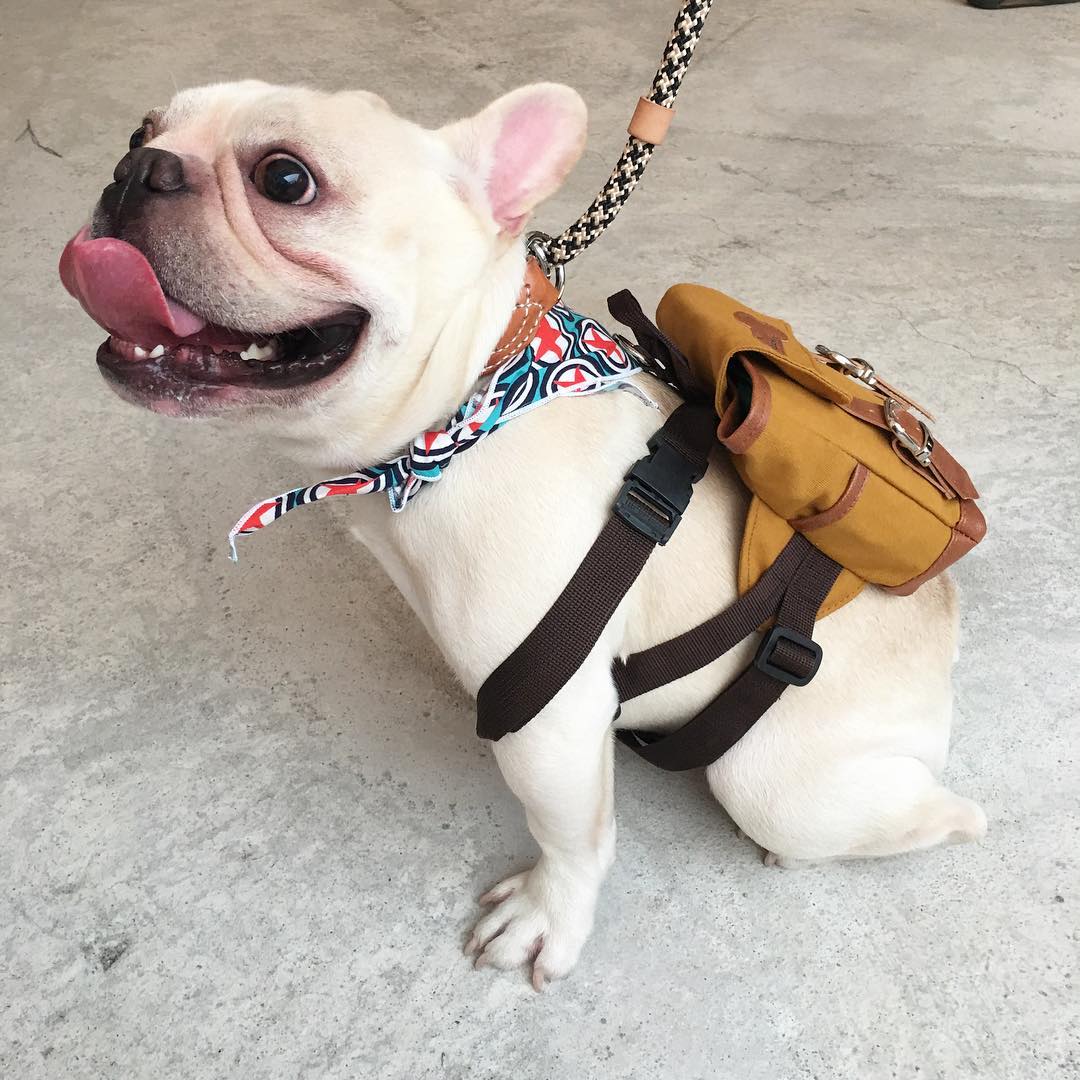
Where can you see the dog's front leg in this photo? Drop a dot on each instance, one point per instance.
(560, 767)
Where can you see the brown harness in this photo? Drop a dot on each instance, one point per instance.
(648, 509)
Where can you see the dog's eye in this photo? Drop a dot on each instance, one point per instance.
(140, 135)
(284, 179)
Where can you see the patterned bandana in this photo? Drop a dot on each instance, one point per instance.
(569, 354)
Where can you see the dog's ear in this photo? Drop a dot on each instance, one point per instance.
(518, 150)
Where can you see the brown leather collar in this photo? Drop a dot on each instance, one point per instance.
(537, 297)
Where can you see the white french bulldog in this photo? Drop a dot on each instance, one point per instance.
(314, 263)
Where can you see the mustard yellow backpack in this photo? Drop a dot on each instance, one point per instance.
(828, 449)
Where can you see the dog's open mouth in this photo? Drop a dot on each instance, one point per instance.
(295, 358)
(162, 355)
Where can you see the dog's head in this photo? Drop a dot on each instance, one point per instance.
(266, 250)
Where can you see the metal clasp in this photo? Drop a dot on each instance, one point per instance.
(894, 402)
(855, 366)
(647, 361)
(538, 245)
(637, 353)
(921, 453)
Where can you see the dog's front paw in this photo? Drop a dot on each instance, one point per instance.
(535, 920)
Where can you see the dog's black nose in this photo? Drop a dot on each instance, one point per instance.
(140, 180)
(151, 168)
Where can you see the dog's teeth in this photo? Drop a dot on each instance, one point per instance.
(140, 353)
(255, 351)
(156, 351)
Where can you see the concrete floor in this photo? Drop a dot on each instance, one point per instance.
(245, 816)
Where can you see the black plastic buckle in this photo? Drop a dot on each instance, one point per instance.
(764, 659)
(657, 491)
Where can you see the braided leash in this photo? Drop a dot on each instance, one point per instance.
(647, 129)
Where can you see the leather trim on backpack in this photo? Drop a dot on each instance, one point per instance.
(945, 472)
(839, 508)
(967, 532)
(738, 436)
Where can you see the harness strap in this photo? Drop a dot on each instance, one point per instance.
(673, 659)
(787, 657)
(662, 356)
(646, 513)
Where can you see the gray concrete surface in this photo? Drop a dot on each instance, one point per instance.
(244, 814)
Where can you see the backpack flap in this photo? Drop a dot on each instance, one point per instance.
(711, 327)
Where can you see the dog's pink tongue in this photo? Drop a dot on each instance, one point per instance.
(119, 290)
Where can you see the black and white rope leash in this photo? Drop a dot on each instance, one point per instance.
(646, 131)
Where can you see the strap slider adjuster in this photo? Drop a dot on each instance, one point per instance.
(657, 491)
(767, 660)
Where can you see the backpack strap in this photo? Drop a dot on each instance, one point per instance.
(792, 589)
(647, 511)
(680, 656)
(662, 356)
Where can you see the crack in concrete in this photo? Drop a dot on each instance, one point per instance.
(811, 275)
(735, 170)
(29, 130)
(825, 198)
(981, 148)
(971, 356)
(735, 33)
(974, 357)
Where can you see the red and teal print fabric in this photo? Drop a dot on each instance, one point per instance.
(569, 355)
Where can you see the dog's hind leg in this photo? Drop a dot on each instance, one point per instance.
(921, 813)
(560, 765)
(861, 808)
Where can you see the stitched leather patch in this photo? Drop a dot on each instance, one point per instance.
(535, 300)
(769, 336)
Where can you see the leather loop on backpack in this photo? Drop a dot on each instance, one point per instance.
(839, 508)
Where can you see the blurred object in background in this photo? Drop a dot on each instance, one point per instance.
(995, 5)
